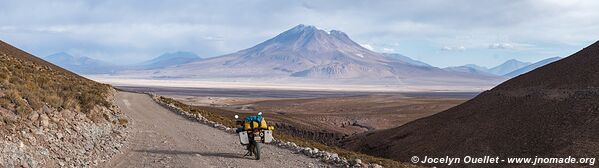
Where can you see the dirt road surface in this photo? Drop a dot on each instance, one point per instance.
(161, 138)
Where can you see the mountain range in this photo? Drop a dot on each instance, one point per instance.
(82, 64)
(406, 59)
(508, 69)
(531, 67)
(89, 66)
(470, 68)
(499, 70)
(551, 111)
(167, 60)
(306, 53)
(303, 53)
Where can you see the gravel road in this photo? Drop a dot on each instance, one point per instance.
(161, 138)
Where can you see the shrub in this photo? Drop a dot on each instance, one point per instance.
(3, 74)
(24, 110)
(53, 100)
(123, 121)
(70, 103)
(33, 100)
(5, 103)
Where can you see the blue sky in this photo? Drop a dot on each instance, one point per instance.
(442, 33)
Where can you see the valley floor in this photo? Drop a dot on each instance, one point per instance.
(289, 84)
(324, 116)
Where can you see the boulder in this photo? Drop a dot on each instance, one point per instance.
(44, 120)
(376, 166)
(34, 116)
(307, 151)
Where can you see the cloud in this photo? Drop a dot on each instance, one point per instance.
(454, 48)
(501, 46)
(133, 30)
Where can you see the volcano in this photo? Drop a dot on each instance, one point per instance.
(308, 53)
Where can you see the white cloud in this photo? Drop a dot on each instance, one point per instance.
(453, 48)
(133, 28)
(501, 46)
(7, 28)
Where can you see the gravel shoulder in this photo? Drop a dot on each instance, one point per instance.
(161, 138)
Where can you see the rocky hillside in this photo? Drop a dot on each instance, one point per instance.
(50, 117)
(551, 111)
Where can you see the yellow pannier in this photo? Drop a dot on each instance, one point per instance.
(253, 124)
(250, 125)
(263, 124)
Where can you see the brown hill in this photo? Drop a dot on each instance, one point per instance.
(28, 82)
(50, 117)
(549, 112)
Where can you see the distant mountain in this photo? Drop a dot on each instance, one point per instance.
(507, 67)
(498, 70)
(470, 68)
(477, 67)
(169, 59)
(531, 67)
(406, 59)
(551, 111)
(88, 66)
(81, 64)
(307, 53)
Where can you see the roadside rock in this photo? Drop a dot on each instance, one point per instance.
(34, 116)
(44, 120)
(376, 166)
(357, 161)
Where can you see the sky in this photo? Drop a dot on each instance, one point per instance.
(441, 33)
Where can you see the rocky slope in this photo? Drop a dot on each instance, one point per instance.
(50, 117)
(551, 111)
